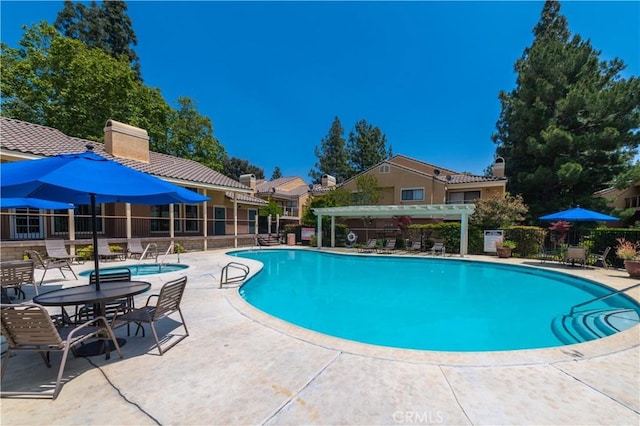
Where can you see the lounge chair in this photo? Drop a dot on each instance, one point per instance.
(576, 255)
(57, 250)
(438, 248)
(370, 247)
(135, 250)
(602, 258)
(167, 303)
(104, 251)
(46, 264)
(415, 246)
(29, 327)
(389, 246)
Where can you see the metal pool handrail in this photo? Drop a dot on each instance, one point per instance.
(146, 250)
(224, 274)
(602, 297)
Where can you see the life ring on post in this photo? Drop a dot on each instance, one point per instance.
(351, 237)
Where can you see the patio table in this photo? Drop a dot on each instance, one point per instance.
(88, 294)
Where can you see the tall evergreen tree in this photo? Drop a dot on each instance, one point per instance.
(332, 155)
(367, 146)
(570, 125)
(277, 174)
(106, 27)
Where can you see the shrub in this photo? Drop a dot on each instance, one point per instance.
(626, 250)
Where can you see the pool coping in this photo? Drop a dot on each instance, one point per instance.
(609, 345)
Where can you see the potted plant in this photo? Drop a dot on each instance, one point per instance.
(628, 251)
(504, 247)
(178, 248)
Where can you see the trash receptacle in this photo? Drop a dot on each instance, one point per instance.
(291, 239)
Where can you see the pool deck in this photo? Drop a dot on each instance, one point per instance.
(240, 366)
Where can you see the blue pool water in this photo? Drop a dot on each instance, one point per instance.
(425, 303)
(143, 269)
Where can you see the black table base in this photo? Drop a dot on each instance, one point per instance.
(98, 347)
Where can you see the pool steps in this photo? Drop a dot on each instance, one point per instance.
(593, 324)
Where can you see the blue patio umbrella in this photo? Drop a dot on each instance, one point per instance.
(88, 178)
(36, 203)
(578, 214)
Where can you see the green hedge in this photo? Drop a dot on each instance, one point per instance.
(527, 238)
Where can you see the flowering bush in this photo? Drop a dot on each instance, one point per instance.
(560, 230)
(626, 249)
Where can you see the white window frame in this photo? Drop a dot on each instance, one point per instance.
(402, 190)
(27, 213)
(384, 168)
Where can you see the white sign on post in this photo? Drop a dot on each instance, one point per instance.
(490, 238)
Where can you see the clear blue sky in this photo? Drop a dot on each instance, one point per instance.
(273, 75)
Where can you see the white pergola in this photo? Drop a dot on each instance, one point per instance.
(442, 211)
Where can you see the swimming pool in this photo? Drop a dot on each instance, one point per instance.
(430, 303)
(142, 269)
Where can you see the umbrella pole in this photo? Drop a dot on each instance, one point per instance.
(94, 222)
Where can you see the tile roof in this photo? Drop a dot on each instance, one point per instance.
(265, 187)
(22, 137)
(246, 198)
(464, 178)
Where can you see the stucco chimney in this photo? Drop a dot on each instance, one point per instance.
(125, 141)
(328, 181)
(249, 180)
(498, 167)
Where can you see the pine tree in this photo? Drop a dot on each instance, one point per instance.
(367, 147)
(106, 27)
(567, 129)
(277, 174)
(332, 155)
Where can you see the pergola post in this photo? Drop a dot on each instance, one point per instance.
(333, 231)
(464, 235)
(319, 231)
(235, 220)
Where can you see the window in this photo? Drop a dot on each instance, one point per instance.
(384, 168)
(185, 217)
(160, 218)
(290, 208)
(27, 224)
(82, 220)
(416, 194)
(467, 197)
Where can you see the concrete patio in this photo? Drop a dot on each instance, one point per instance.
(240, 366)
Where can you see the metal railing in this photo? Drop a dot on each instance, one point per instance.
(146, 251)
(606, 296)
(167, 253)
(242, 270)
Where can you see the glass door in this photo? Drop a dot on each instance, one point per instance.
(252, 213)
